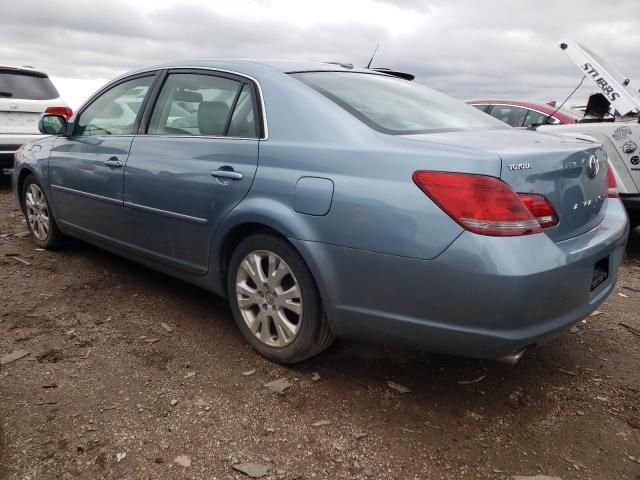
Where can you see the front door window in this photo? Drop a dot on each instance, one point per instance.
(115, 111)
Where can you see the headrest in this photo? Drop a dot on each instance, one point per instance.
(187, 96)
(212, 117)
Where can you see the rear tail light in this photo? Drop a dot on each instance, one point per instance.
(612, 185)
(540, 208)
(486, 205)
(66, 112)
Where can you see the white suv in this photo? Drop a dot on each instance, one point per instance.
(25, 94)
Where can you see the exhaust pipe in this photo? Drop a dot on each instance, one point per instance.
(512, 358)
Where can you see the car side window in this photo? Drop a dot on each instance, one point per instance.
(483, 107)
(203, 104)
(509, 114)
(243, 120)
(115, 111)
(536, 118)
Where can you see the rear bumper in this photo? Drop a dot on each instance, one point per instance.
(483, 297)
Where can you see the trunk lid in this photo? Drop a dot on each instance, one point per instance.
(571, 174)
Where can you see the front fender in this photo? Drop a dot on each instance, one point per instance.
(33, 158)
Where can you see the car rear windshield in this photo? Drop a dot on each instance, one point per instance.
(26, 85)
(397, 106)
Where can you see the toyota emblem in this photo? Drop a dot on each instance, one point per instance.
(593, 167)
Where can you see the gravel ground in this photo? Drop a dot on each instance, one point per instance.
(106, 391)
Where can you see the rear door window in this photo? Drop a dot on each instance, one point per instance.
(483, 107)
(536, 118)
(509, 114)
(243, 120)
(26, 85)
(203, 105)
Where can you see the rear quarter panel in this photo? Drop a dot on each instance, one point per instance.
(375, 205)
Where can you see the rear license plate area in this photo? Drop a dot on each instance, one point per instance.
(600, 273)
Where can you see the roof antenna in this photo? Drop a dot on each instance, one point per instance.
(374, 54)
(565, 101)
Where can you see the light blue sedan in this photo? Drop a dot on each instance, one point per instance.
(325, 200)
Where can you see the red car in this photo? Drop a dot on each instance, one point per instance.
(525, 114)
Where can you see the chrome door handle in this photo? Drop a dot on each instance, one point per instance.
(230, 174)
(113, 162)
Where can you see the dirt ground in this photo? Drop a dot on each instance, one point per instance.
(107, 392)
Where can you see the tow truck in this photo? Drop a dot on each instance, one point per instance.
(612, 118)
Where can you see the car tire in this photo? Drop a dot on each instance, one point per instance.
(275, 300)
(38, 215)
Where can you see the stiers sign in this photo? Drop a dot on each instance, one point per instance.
(601, 82)
(609, 81)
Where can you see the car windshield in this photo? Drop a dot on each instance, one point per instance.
(26, 85)
(397, 106)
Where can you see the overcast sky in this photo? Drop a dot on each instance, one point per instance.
(466, 48)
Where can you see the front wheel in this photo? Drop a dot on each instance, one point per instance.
(40, 221)
(275, 301)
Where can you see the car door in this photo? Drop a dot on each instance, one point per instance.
(192, 162)
(86, 168)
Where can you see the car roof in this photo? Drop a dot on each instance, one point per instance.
(289, 66)
(286, 66)
(24, 68)
(257, 66)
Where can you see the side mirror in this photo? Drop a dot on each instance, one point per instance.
(50, 124)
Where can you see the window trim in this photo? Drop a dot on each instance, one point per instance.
(152, 73)
(242, 80)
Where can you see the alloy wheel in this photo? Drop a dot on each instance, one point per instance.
(269, 298)
(37, 212)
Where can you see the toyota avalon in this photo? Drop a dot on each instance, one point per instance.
(325, 200)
